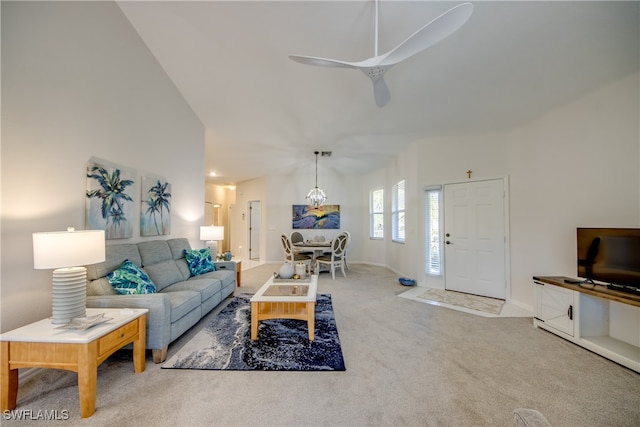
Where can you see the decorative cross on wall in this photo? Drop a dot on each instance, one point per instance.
(469, 172)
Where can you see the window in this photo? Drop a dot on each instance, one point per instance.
(376, 214)
(397, 212)
(432, 235)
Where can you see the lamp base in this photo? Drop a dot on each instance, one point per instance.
(213, 248)
(69, 296)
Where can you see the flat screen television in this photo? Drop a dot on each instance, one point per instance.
(610, 255)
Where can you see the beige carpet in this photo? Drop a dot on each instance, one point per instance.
(409, 363)
(473, 302)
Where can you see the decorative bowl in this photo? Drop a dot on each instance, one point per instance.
(406, 281)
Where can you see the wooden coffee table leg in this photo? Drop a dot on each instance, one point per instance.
(254, 320)
(311, 320)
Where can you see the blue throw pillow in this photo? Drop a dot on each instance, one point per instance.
(199, 261)
(129, 279)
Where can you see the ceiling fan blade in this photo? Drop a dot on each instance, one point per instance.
(430, 34)
(381, 92)
(321, 62)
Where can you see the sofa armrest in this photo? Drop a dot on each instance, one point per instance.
(225, 265)
(158, 318)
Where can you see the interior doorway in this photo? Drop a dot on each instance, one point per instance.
(475, 238)
(254, 229)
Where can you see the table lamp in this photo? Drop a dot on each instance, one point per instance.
(212, 233)
(63, 251)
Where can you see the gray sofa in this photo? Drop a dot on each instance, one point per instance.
(180, 302)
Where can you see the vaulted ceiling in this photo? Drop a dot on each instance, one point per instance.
(265, 114)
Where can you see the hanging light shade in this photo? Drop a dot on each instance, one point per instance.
(316, 196)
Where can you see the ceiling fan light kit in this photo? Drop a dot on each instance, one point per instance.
(376, 66)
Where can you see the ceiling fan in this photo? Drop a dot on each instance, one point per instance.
(378, 65)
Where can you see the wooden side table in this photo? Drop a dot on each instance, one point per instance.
(226, 265)
(43, 345)
(238, 272)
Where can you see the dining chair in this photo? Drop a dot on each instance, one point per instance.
(346, 249)
(293, 257)
(336, 258)
(297, 237)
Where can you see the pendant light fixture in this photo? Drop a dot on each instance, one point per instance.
(316, 196)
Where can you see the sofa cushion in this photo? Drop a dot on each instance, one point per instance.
(154, 252)
(100, 287)
(184, 268)
(177, 247)
(183, 303)
(164, 273)
(206, 287)
(131, 279)
(225, 276)
(199, 261)
(115, 256)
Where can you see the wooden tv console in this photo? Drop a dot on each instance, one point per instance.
(602, 320)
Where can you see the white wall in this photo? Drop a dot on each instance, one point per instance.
(578, 165)
(78, 82)
(373, 251)
(225, 197)
(248, 191)
(446, 160)
(288, 189)
(575, 167)
(402, 256)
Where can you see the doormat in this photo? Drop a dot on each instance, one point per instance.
(473, 302)
(282, 345)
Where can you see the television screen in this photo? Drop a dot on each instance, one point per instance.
(610, 255)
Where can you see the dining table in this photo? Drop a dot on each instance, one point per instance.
(315, 246)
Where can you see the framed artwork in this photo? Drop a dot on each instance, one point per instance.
(324, 217)
(155, 207)
(109, 199)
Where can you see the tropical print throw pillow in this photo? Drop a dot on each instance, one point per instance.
(130, 279)
(199, 261)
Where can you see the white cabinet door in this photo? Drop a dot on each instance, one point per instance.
(554, 307)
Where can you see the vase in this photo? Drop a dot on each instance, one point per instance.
(227, 256)
(301, 270)
(286, 271)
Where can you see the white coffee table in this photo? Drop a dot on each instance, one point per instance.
(285, 300)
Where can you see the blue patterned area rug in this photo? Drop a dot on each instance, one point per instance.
(282, 344)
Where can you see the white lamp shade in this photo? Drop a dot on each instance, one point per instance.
(68, 248)
(212, 232)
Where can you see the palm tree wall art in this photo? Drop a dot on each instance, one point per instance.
(109, 200)
(155, 209)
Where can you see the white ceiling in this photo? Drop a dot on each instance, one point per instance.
(266, 114)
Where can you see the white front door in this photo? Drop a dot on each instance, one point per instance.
(475, 239)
